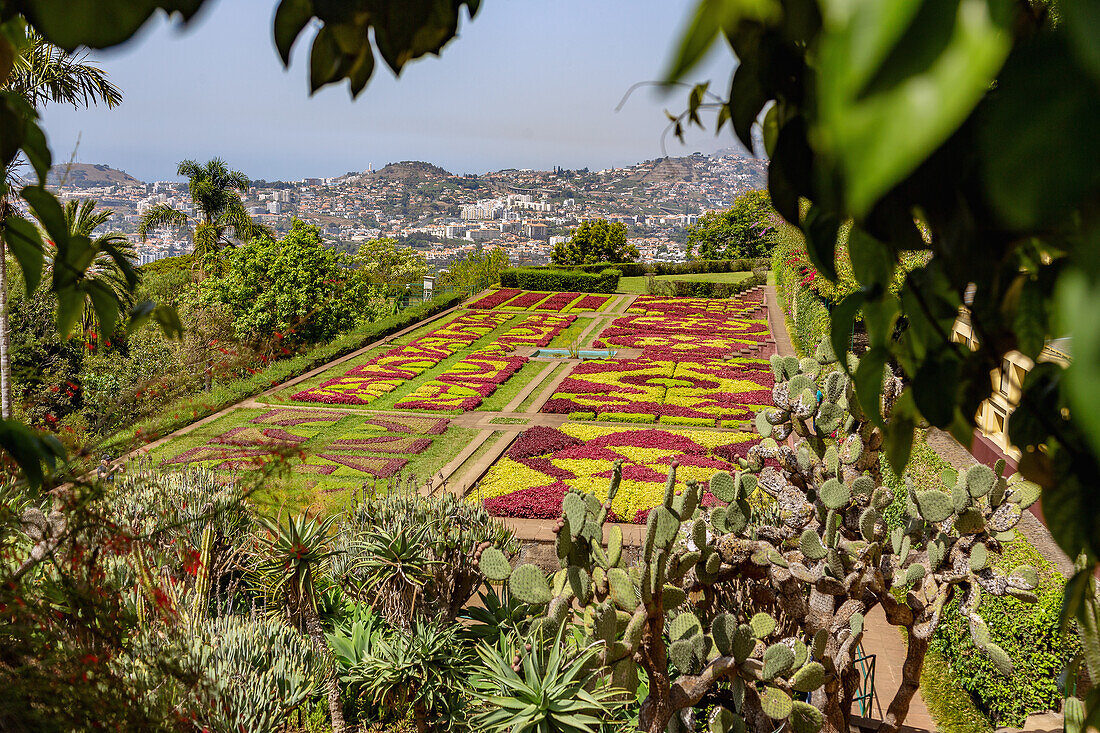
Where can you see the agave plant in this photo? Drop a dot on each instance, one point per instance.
(499, 614)
(544, 688)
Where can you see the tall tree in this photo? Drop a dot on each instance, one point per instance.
(746, 229)
(220, 216)
(595, 241)
(383, 261)
(42, 74)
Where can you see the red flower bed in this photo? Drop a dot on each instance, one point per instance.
(493, 300)
(558, 301)
(541, 502)
(591, 302)
(539, 440)
(526, 300)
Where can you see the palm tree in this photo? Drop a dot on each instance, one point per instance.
(296, 552)
(111, 270)
(219, 211)
(43, 74)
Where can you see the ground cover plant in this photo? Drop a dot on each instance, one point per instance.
(687, 373)
(524, 300)
(364, 383)
(314, 452)
(544, 463)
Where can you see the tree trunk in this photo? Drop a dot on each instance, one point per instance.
(910, 681)
(335, 707)
(5, 343)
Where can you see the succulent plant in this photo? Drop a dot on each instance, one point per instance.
(776, 611)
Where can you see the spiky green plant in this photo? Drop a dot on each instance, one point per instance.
(774, 612)
(546, 690)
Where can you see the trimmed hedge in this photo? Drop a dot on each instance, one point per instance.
(555, 280)
(187, 410)
(807, 312)
(694, 267)
(706, 289)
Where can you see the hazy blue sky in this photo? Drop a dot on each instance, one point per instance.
(527, 84)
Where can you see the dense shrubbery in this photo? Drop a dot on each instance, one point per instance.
(553, 279)
(704, 288)
(692, 267)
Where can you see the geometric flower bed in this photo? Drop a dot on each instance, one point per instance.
(361, 449)
(362, 384)
(526, 300)
(464, 384)
(686, 374)
(543, 463)
(536, 330)
(708, 392)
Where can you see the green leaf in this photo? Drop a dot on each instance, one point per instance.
(1081, 19)
(747, 98)
(290, 18)
(1078, 302)
(820, 227)
(898, 436)
(842, 321)
(26, 247)
(96, 23)
(710, 18)
(868, 382)
(35, 454)
(872, 261)
(896, 79)
(933, 387)
(1033, 177)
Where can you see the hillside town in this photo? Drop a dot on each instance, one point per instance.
(447, 215)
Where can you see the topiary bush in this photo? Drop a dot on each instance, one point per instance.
(555, 280)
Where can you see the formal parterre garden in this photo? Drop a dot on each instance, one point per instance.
(681, 384)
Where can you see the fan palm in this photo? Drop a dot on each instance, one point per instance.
(111, 270)
(220, 216)
(296, 552)
(43, 74)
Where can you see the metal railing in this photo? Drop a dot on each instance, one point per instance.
(865, 663)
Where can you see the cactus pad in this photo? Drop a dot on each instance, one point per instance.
(762, 425)
(723, 629)
(935, 506)
(851, 450)
(778, 660)
(736, 517)
(960, 497)
(699, 533)
(1027, 575)
(821, 641)
(808, 678)
(763, 624)
(775, 703)
(829, 417)
(667, 525)
(979, 558)
(673, 597)
(805, 718)
(573, 507)
(834, 494)
(863, 486)
(1024, 494)
(868, 520)
(528, 584)
(494, 564)
(684, 626)
(913, 574)
(970, 521)
(855, 623)
(682, 654)
(723, 721)
(743, 644)
(810, 545)
(614, 545)
(979, 480)
(622, 589)
(1000, 659)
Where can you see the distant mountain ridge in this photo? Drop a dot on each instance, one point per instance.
(88, 175)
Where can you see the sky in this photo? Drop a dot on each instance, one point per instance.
(527, 84)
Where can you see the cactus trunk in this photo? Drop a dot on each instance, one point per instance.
(910, 681)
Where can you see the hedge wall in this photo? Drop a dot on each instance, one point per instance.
(637, 269)
(550, 279)
(704, 289)
(807, 313)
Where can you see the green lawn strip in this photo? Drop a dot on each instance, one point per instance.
(387, 401)
(188, 409)
(510, 420)
(528, 403)
(570, 334)
(515, 384)
(948, 703)
(638, 284)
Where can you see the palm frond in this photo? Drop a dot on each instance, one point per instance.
(161, 215)
(244, 227)
(43, 73)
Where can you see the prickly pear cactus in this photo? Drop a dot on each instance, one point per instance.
(774, 612)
